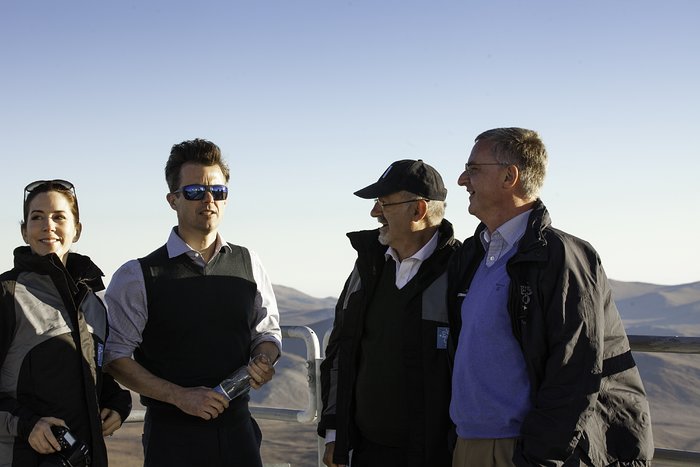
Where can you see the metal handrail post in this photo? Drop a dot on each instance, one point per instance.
(308, 415)
(320, 441)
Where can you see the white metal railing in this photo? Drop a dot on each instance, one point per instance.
(669, 344)
(665, 344)
(314, 357)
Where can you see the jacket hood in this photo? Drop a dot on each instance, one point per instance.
(79, 267)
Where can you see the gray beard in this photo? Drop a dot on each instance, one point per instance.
(382, 236)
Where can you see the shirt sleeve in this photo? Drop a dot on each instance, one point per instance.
(127, 311)
(265, 326)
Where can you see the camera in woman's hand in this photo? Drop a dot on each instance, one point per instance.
(73, 453)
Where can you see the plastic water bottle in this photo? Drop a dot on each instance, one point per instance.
(235, 384)
(238, 382)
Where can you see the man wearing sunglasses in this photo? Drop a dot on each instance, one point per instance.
(190, 313)
(385, 380)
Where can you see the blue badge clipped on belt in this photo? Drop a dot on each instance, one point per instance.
(100, 353)
(442, 333)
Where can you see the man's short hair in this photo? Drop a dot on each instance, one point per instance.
(435, 212)
(196, 151)
(523, 148)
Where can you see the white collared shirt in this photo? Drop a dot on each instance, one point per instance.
(177, 246)
(408, 268)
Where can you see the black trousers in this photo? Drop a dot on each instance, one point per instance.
(235, 443)
(369, 454)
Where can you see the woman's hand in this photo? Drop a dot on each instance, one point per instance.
(111, 421)
(41, 438)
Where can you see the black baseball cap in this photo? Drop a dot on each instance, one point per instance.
(410, 175)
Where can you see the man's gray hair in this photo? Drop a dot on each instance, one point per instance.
(435, 212)
(524, 149)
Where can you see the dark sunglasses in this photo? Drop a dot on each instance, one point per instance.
(65, 184)
(196, 192)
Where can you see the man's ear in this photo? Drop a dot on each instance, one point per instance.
(512, 176)
(420, 211)
(170, 197)
(78, 231)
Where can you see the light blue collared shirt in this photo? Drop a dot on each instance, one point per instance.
(504, 238)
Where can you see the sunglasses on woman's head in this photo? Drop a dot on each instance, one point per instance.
(196, 192)
(57, 183)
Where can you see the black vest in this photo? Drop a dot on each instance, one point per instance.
(199, 319)
(380, 412)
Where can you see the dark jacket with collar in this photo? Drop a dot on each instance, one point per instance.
(587, 395)
(428, 390)
(52, 333)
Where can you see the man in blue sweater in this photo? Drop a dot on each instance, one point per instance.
(543, 374)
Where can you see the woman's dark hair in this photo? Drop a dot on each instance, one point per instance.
(43, 186)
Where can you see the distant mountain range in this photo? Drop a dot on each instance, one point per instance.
(659, 310)
(671, 380)
(298, 309)
(646, 309)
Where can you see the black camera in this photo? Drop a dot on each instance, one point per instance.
(73, 453)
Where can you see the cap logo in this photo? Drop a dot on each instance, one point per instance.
(386, 172)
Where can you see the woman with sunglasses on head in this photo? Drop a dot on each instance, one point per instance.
(52, 333)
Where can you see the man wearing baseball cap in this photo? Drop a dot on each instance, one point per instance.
(385, 379)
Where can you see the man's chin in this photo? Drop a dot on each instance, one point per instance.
(383, 238)
(208, 227)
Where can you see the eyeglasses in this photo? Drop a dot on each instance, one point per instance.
(196, 192)
(383, 204)
(470, 166)
(65, 184)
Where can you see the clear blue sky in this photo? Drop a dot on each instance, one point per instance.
(311, 100)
